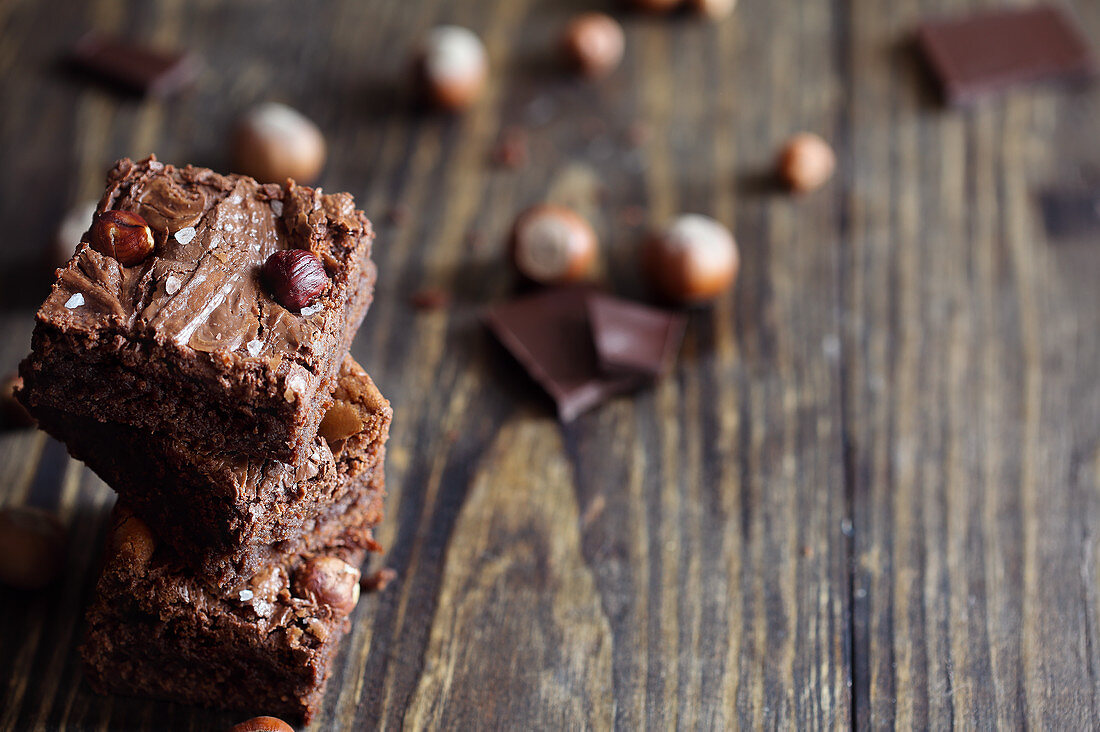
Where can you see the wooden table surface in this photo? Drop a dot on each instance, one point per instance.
(867, 496)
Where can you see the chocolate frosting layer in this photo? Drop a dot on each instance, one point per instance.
(201, 289)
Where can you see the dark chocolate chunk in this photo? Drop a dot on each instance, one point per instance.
(548, 334)
(631, 338)
(1070, 213)
(993, 50)
(133, 68)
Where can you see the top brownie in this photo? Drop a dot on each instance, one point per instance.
(190, 342)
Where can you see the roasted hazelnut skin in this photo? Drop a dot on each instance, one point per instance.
(553, 245)
(32, 547)
(12, 413)
(123, 235)
(806, 162)
(329, 581)
(273, 142)
(262, 724)
(295, 276)
(692, 261)
(713, 9)
(451, 67)
(593, 44)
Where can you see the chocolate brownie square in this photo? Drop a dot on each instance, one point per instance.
(157, 630)
(228, 514)
(189, 342)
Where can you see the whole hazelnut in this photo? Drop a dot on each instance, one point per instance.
(693, 260)
(593, 43)
(328, 581)
(656, 6)
(32, 547)
(130, 537)
(68, 235)
(273, 142)
(806, 162)
(123, 235)
(13, 415)
(713, 9)
(553, 245)
(296, 277)
(262, 724)
(452, 67)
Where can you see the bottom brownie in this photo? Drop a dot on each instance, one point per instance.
(157, 630)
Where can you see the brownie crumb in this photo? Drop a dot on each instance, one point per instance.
(430, 299)
(476, 240)
(378, 581)
(638, 134)
(632, 216)
(398, 214)
(510, 151)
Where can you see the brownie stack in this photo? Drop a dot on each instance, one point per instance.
(217, 397)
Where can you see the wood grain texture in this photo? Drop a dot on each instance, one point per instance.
(865, 497)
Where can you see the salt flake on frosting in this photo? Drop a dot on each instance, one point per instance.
(185, 235)
(245, 595)
(277, 208)
(172, 284)
(75, 301)
(254, 348)
(311, 310)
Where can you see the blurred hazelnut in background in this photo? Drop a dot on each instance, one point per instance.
(593, 44)
(692, 261)
(273, 142)
(452, 67)
(806, 162)
(32, 547)
(713, 9)
(553, 245)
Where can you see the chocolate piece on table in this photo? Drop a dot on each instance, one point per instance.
(549, 335)
(190, 343)
(631, 338)
(1069, 213)
(134, 68)
(992, 50)
(158, 630)
(226, 514)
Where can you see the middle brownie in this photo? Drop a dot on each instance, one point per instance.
(227, 514)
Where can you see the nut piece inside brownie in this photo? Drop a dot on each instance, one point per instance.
(190, 341)
(156, 630)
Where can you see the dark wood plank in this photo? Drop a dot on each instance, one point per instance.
(971, 373)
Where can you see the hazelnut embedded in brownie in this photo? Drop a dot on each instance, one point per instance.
(226, 514)
(185, 337)
(263, 646)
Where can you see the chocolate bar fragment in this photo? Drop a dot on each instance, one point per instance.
(133, 68)
(548, 334)
(988, 52)
(631, 338)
